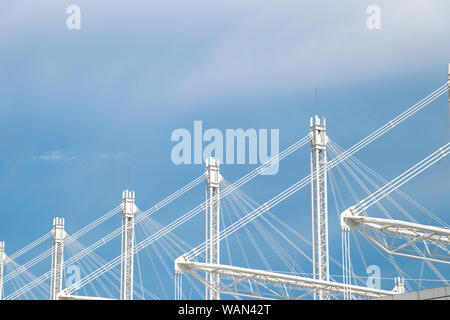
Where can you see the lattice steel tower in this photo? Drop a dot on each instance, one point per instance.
(213, 180)
(56, 271)
(128, 212)
(2, 261)
(319, 204)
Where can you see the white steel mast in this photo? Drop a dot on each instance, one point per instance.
(56, 271)
(319, 204)
(213, 180)
(128, 214)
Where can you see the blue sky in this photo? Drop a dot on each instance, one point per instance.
(77, 108)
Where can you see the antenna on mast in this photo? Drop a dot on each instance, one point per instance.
(128, 177)
(315, 101)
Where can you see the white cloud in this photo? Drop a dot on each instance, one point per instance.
(55, 156)
(58, 156)
(295, 46)
(204, 48)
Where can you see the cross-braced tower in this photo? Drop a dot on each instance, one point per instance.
(59, 235)
(128, 213)
(213, 180)
(319, 206)
(2, 261)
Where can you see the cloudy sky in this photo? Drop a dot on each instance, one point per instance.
(85, 113)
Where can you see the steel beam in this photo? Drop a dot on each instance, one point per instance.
(213, 180)
(128, 213)
(279, 278)
(319, 202)
(56, 271)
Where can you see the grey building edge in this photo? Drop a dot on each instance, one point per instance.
(439, 293)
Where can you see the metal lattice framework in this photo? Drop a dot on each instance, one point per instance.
(405, 236)
(319, 202)
(395, 237)
(213, 180)
(59, 235)
(128, 213)
(240, 275)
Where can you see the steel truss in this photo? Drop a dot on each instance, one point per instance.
(56, 271)
(213, 180)
(413, 232)
(240, 275)
(405, 237)
(129, 211)
(319, 202)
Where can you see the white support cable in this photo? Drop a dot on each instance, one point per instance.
(28, 286)
(92, 262)
(170, 198)
(356, 198)
(276, 247)
(410, 217)
(418, 107)
(140, 217)
(378, 133)
(114, 273)
(117, 232)
(238, 239)
(288, 227)
(253, 204)
(389, 258)
(152, 225)
(373, 184)
(354, 161)
(333, 182)
(90, 265)
(95, 223)
(48, 252)
(43, 289)
(28, 265)
(391, 124)
(199, 208)
(247, 231)
(140, 273)
(168, 244)
(350, 217)
(30, 246)
(300, 184)
(274, 244)
(403, 178)
(227, 244)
